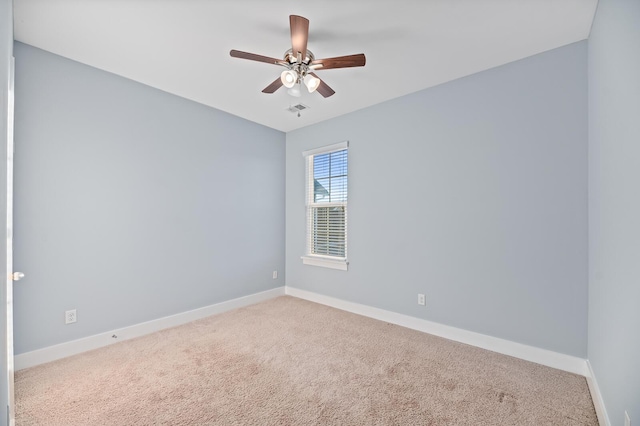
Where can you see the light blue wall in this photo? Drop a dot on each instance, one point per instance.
(473, 192)
(6, 49)
(486, 175)
(134, 204)
(614, 206)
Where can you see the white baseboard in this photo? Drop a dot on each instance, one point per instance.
(546, 357)
(62, 350)
(541, 356)
(596, 396)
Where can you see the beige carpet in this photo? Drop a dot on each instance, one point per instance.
(292, 362)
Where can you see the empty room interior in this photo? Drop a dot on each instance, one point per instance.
(420, 213)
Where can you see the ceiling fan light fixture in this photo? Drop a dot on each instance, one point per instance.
(300, 61)
(289, 78)
(311, 82)
(294, 91)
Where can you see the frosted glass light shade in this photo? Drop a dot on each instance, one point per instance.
(294, 91)
(288, 78)
(311, 82)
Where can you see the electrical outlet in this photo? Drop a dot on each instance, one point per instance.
(70, 317)
(627, 419)
(422, 300)
(275, 274)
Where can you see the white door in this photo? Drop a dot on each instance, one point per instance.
(11, 276)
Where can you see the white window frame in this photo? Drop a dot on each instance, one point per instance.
(310, 258)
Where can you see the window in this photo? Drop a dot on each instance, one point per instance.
(327, 206)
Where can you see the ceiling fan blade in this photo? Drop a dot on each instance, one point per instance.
(323, 88)
(299, 35)
(277, 83)
(339, 62)
(254, 57)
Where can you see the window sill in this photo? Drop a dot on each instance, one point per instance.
(326, 262)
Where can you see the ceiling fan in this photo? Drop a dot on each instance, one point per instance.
(300, 63)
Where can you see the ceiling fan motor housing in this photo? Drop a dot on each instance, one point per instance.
(302, 67)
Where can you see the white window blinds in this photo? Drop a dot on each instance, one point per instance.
(327, 194)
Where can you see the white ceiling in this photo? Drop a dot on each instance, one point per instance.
(182, 46)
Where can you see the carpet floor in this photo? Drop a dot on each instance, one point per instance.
(288, 361)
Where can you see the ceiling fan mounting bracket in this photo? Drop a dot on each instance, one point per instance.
(292, 59)
(295, 63)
